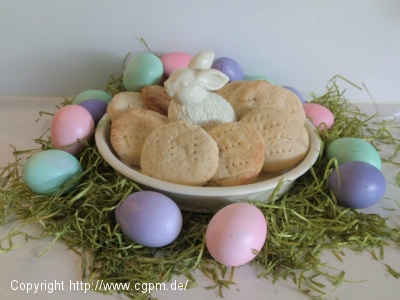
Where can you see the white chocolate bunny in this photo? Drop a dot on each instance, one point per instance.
(191, 99)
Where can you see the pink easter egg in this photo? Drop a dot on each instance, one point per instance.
(175, 60)
(71, 124)
(319, 115)
(236, 234)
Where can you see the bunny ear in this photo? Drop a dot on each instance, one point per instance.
(202, 60)
(211, 79)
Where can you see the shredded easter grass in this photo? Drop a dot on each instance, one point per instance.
(301, 224)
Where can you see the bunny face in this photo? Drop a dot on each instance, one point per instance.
(190, 86)
(182, 87)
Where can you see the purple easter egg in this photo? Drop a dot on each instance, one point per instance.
(97, 108)
(361, 184)
(298, 94)
(149, 218)
(229, 67)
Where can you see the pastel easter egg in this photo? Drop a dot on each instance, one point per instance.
(353, 149)
(48, 171)
(236, 233)
(97, 108)
(229, 67)
(259, 77)
(149, 218)
(320, 116)
(173, 61)
(142, 70)
(359, 184)
(298, 94)
(70, 128)
(92, 94)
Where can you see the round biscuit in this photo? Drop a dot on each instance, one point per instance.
(236, 95)
(286, 142)
(227, 90)
(156, 98)
(261, 93)
(241, 154)
(129, 131)
(124, 101)
(180, 152)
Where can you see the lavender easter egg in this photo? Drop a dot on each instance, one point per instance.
(97, 108)
(229, 67)
(359, 184)
(298, 94)
(149, 218)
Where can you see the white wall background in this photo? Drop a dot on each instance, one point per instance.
(60, 48)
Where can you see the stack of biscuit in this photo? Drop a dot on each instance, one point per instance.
(269, 136)
(133, 116)
(278, 114)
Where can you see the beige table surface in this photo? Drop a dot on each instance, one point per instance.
(22, 266)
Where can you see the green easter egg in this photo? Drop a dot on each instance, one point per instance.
(354, 149)
(47, 171)
(260, 78)
(144, 69)
(92, 94)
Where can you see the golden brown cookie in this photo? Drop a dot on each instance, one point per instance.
(156, 98)
(129, 131)
(180, 152)
(241, 154)
(261, 93)
(235, 97)
(124, 101)
(286, 139)
(227, 90)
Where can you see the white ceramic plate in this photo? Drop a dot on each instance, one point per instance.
(207, 199)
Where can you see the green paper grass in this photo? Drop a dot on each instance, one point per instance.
(301, 224)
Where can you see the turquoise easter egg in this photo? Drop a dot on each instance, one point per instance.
(47, 171)
(142, 70)
(260, 77)
(92, 94)
(354, 149)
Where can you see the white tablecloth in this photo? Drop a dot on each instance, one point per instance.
(21, 267)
